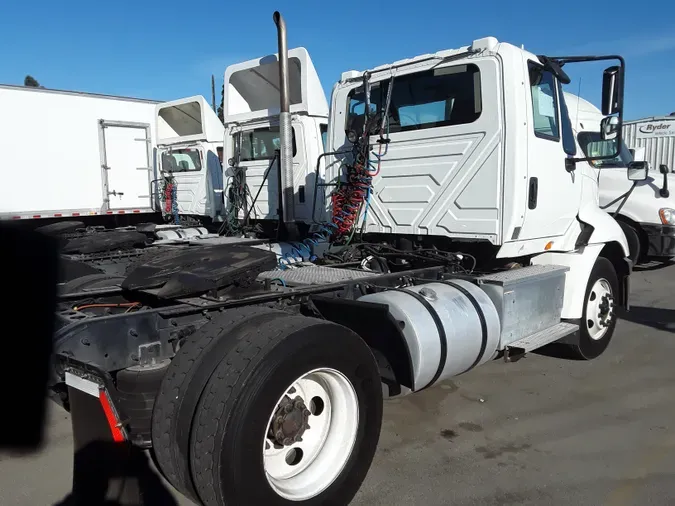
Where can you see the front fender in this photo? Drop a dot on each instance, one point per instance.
(581, 263)
(605, 228)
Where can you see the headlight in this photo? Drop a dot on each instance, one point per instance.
(667, 216)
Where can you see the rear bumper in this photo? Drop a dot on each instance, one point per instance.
(661, 240)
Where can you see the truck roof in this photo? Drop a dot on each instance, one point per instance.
(252, 88)
(477, 46)
(76, 93)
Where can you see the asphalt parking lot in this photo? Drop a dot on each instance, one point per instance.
(541, 431)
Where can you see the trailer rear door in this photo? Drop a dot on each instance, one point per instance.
(126, 165)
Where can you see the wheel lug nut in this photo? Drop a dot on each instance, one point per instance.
(280, 420)
(288, 408)
(307, 427)
(297, 438)
(288, 441)
(279, 435)
(306, 412)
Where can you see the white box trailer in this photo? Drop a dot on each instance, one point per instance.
(67, 153)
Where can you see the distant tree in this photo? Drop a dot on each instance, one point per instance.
(31, 81)
(222, 103)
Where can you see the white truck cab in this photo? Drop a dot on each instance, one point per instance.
(252, 136)
(477, 145)
(645, 209)
(189, 141)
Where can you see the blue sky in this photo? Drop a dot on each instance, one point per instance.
(169, 49)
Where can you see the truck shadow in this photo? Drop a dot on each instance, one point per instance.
(653, 265)
(113, 474)
(654, 317)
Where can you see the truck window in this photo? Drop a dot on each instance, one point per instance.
(260, 144)
(182, 160)
(544, 103)
(430, 99)
(324, 134)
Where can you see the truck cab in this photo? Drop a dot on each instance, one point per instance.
(190, 143)
(252, 136)
(476, 146)
(645, 209)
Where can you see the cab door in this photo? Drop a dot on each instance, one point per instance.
(553, 192)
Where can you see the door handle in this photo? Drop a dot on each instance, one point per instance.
(532, 195)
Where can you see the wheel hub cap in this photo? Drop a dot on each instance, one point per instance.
(311, 434)
(599, 309)
(290, 422)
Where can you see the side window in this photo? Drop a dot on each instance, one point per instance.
(544, 103)
(569, 146)
(182, 160)
(260, 144)
(324, 134)
(430, 99)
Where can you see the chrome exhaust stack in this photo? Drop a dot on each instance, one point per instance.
(285, 131)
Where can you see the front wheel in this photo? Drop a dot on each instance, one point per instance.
(598, 321)
(291, 416)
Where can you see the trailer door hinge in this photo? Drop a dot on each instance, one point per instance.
(105, 167)
(115, 193)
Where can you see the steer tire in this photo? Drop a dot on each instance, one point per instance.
(232, 420)
(585, 347)
(184, 382)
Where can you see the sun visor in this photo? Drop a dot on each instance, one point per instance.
(252, 88)
(187, 120)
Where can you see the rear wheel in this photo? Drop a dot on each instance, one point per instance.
(291, 416)
(184, 383)
(598, 321)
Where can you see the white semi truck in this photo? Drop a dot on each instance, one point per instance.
(460, 225)
(644, 209)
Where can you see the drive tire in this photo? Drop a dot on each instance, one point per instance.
(233, 416)
(184, 383)
(588, 344)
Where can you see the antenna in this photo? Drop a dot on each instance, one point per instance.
(576, 119)
(213, 92)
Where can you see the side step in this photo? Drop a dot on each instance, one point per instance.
(517, 349)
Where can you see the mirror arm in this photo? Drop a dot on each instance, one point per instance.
(664, 191)
(625, 197)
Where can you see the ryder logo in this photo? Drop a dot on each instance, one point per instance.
(660, 129)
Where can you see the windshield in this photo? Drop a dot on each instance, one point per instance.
(182, 160)
(592, 145)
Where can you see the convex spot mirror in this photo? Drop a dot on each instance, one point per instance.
(609, 128)
(638, 171)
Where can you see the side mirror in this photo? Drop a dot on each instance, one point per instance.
(638, 171)
(611, 96)
(609, 128)
(663, 168)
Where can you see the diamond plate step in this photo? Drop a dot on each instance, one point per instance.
(544, 337)
(315, 275)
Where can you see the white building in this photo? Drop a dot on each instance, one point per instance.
(656, 135)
